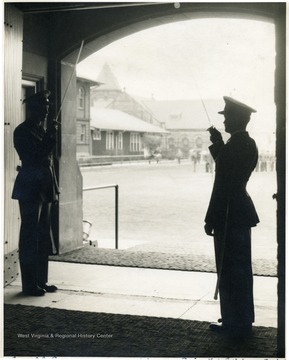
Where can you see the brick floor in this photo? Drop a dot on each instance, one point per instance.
(70, 333)
(155, 260)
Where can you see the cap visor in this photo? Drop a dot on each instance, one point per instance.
(221, 112)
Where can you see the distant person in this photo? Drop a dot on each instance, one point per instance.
(157, 155)
(179, 155)
(272, 162)
(263, 162)
(194, 158)
(208, 163)
(35, 189)
(230, 216)
(147, 154)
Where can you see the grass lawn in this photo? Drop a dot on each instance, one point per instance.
(162, 208)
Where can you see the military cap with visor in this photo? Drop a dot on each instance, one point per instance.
(38, 100)
(232, 105)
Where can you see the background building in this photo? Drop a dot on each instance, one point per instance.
(111, 124)
(110, 95)
(83, 139)
(186, 121)
(120, 136)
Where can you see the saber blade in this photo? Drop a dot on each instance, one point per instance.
(203, 102)
(206, 112)
(74, 69)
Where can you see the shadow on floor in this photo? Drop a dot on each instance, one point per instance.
(33, 331)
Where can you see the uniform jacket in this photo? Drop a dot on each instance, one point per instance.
(230, 201)
(36, 178)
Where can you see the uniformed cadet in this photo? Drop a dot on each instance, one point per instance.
(35, 189)
(230, 216)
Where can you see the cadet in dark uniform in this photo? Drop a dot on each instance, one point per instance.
(36, 189)
(230, 216)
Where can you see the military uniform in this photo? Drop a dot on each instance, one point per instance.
(231, 214)
(36, 189)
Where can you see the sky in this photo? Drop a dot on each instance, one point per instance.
(193, 59)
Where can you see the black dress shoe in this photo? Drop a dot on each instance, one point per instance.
(50, 288)
(34, 292)
(219, 328)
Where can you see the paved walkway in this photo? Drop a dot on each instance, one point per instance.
(146, 292)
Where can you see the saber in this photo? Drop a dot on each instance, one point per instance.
(206, 111)
(78, 56)
(202, 103)
(222, 253)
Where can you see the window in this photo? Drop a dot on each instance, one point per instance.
(96, 134)
(109, 140)
(119, 141)
(81, 98)
(82, 133)
(185, 141)
(135, 142)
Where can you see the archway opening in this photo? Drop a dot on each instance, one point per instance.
(179, 72)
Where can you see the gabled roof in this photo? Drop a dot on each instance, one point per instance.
(185, 114)
(109, 119)
(108, 79)
(101, 103)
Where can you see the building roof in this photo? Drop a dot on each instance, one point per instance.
(89, 81)
(109, 119)
(108, 79)
(185, 114)
(102, 103)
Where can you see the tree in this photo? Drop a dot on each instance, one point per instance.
(152, 142)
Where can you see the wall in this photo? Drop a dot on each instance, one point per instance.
(35, 67)
(84, 113)
(40, 64)
(99, 146)
(70, 178)
(280, 100)
(13, 23)
(83, 119)
(83, 137)
(67, 215)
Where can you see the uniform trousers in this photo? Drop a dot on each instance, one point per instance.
(34, 243)
(234, 267)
